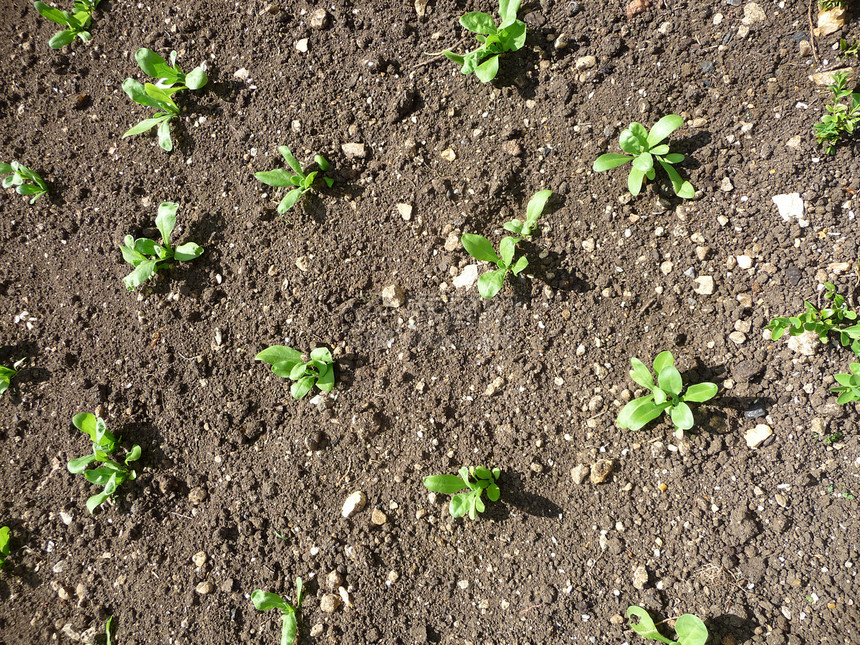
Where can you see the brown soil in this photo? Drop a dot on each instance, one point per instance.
(760, 543)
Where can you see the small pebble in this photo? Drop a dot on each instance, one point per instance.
(199, 558)
(204, 588)
(329, 603)
(353, 504)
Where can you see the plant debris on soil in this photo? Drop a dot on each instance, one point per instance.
(749, 521)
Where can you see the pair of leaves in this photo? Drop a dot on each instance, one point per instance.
(300, 182)
(4, 545)
(77, 22)
(288, 363)
(169, 75)
(145, 255)
(477, 479)
(8, 373)
(849, 385)
(480, 248)
(263, 601)
(689, 629)
(665, 394)
(26, 181)
(643, 148)
(534, 210)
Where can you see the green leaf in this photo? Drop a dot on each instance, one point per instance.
(61, 39)
(133, 455)
(279, 178)
(299, 370)
(514, 226)
(632, 139)
(163, 133)
(477, 506)
(660, 150)
(302, 387)
(188, 252)
(691, 630)
(143, 126)
(165, 221)
(644, 162)
(513, 37)
(682, 415)
(663, 128)
(478, 22)
(100, 476)
(97, 500)
(446, 484)
(161, 95)
(482, 473)
(479, 247)
(79, 465)
(506, 249)
(263, 600)
(642, 414)
(673, 158)
(141, 274)
(59, 17)
(634, 181)
(137, 93)
(196, 78)
(278, 354)
(290, 200)
(508, 11)
(700, 392)
(662, 360)
(322, 162)
(86, 423)
(29, 189)
(646, 627)
(669, 380)
(493, 492)
(608, 161)
(459, 504)
(154, 65)
(5, 168)
(326, 380)
(309, 180)
(641, 374)
(291, 160)
(289, 627)
(329, 182)
(285, 368)
(107, 630)
(490, 283)
(519, 265)
(683, 189)
(487, 70)
(457, 58)
(300, 594)
(321, 354)
(535, 209)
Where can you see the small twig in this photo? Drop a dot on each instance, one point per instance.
(181, 515)
(436, 55)
(528, 609)
(812, 30)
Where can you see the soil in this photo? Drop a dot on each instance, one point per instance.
(761, 543)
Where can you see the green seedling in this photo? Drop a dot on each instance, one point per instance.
(643, 148)
(477, 479)
(822, 321)
(689, 629)
(509, 36)
(77, 22)
(160, 95)
(827, 5)
(8, 373)
(849, 385)
(107, 631)
(288, 363)
(26, 181)
(842, 117)
(848, 50)
(665, 395)
(533, 211)
(301, 182)
(147, 255)
(480, 248)
(112, 474)
(4, 545)
(290, 615)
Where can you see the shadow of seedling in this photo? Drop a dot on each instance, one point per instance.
(742, 631)
(514, 494)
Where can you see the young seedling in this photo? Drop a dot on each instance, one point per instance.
(300, 182)
(821, 321)
(107, 631)
(290, 615)
(288, 363)
(160, 95)
(8, 373)
(842, 117)
(509, 36)
(689, 629)
(146, 255)
(849, 385)
(848, 50)
(643, 148)
(665, 395)
(480, 248)
(4, 545)
(77, 22)
(477, 479)
(25, 180)
(533, 211)
(112, 474)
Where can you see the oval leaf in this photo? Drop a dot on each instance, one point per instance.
(263, 600)
(669, 380)
(490, 283)
(700, 392)
(663, 128)
(691, 630)
(278, 354)
(446, 484)
(487, 70)
(479, 247)
(682, 416)
(608, 161)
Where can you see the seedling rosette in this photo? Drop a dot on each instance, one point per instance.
(288, 363)
(689, 629)
(849, 385)
(25, 181)
(665, 395)
(477, 479)
(263, 601)
(299, 183)
(480, 248)
(643, 148)
(77, 22)
(534, 210)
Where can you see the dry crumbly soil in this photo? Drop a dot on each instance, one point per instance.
(760, 543)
